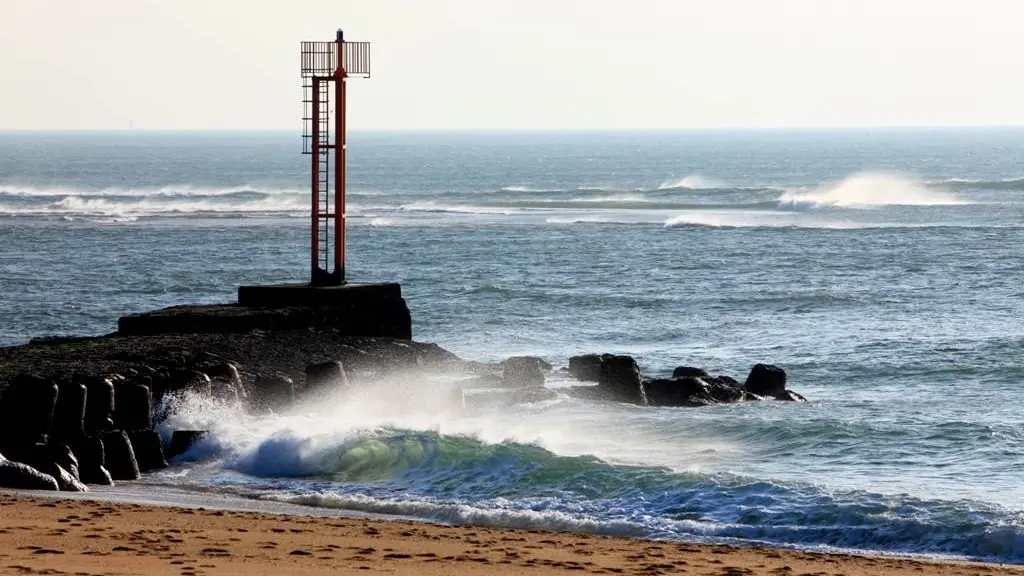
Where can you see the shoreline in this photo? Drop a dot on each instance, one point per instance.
(86, 532)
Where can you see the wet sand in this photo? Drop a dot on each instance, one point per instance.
(47, 535)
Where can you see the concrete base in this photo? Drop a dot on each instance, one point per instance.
(353, 309)
(285, 295)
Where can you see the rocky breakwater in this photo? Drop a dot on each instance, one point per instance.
(523, 379)
(619, 379)
(79, 411)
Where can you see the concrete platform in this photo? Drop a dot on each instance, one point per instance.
(285, 295)
(353, 309)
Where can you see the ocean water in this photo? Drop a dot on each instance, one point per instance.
(881, 269)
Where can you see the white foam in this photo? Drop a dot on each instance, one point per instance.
(431, 206)
(692, 182)
(14, 189)
(868, 190)
(529, 189)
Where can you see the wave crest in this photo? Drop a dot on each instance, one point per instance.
(868, 190)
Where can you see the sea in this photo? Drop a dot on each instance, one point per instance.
(880, 268)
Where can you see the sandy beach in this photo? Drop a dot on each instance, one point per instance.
(47, 535)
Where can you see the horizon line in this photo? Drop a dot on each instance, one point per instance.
(523, 130)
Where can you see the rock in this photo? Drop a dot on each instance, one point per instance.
(90, 454)
(225, 382)
(587, 367)
(273, 392)
(685, 371)
(133, 407)
(99, 404)
(69, 411)
(182, 440)
(620, 379)
(26, 411)
(24, 477)
(118, 456)
(324, 377)
(766, 380)
(184, 381)
(690, 391)
(790, 396)
(148, 449)
(62, 455)
(524, 371)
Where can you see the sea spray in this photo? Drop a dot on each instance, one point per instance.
(868, 190)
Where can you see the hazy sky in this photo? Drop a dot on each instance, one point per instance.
(512, 64)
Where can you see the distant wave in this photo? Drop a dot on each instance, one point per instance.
(528, 189)
(693, 182)
(12, 189)
(138, 206)
(868, 190)
(968, 184)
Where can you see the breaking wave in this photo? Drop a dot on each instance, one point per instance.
(868, 190)
(692, 182)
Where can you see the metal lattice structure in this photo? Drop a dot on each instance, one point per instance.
(323, 137)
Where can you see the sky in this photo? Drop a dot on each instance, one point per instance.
(515, 64)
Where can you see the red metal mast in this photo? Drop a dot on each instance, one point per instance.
(323, 63)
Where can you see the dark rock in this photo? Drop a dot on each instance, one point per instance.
(524, 371)
(690, 391)
(148, 449)
(766, 380)
(182, 440)
(69, 411)
(118, 456)
(790, 396)
(186, 381)
(587, 367)
(730, 381)
(620, 379)
(324, 377)
(90, 454)
(685, 371)
(63, 456)
(226, 383)
(133, 407)
(273, 392)
(24, 477)
(99, 404)
(26, 411)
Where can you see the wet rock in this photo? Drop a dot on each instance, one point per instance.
(63, 456)
(182, 440)
(148, 449)
(273, 392)
(620, 379)
(69, 411)
(524, 371)
(99, 404)
(118, 455)
(766, 380)
(90, 453)
(226, 383)
(324, 377)
(790, 396)
(133, 407)
(690, 391)
(688, 371)
(26, 411)
(586, 368)
(179, 381)
(24, 477)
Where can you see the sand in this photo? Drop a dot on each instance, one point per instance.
(47, 535)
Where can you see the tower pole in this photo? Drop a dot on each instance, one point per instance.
(314, 261)
(340, 80)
